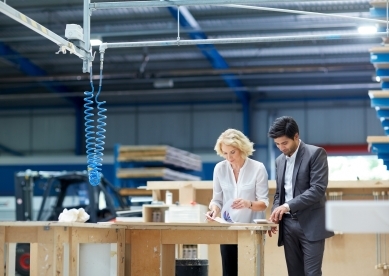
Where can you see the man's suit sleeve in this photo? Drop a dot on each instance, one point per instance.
(276, 201)
(318, 182)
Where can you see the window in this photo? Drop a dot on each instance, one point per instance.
(365, 167)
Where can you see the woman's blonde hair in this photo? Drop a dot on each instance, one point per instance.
(236, 139)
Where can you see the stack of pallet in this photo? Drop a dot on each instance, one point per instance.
(163, 162)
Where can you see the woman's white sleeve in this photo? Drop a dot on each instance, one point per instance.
(262, 186)
(217, 197)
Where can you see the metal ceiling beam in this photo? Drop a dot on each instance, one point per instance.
(211, 41)
(176, 3)
(212, 75)
(43, 31)
(299, 89)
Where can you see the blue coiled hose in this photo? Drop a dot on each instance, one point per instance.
(100, 128)
(94, 145)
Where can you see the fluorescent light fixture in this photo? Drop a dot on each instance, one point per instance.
(163, 83)
(367, 30)
(95, 42)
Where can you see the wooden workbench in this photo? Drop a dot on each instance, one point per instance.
(141, 248)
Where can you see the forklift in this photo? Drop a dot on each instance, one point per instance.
(62, 190)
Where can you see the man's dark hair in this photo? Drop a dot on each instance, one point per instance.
(283, 126)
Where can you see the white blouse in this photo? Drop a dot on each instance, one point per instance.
(252, 184)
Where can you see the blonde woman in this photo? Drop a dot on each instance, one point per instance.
(241, 180)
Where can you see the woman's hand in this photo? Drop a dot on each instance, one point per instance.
(213, 213)
(240, 203)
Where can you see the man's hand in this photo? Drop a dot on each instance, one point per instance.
(273, 230)
(276, 216)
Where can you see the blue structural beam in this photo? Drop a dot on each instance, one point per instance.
(382, 73)
(380, 102)
(378, 12)
(10, 151)
(380, 148)
(30, 69)
(384, 85)
(379, 57)
(383, 113)
(217, 61)
(385, 123)
(383, 156)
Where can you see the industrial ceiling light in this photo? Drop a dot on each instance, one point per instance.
(95, 42)
(367, 29)
(163, 83)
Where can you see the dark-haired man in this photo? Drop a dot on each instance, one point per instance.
(298, 207)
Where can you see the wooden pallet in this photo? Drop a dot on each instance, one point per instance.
(164, 173)
(165, 154)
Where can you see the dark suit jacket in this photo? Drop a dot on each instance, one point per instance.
(310, 180)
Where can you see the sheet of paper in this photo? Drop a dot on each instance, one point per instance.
(217, 219)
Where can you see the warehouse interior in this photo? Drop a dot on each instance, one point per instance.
(324, 63)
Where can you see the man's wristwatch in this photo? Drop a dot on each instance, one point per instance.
(251, 204)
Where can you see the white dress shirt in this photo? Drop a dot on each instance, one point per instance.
(252, 184)
(289, 175)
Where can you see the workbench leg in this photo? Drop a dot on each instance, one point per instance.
(42, 260)
(60, 238)
(10, 260)
(121, 252)
(168, 260)
(2, 250)
(250, 253)
(74, 254)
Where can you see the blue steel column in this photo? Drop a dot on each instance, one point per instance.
(217, 61)
(270, 150)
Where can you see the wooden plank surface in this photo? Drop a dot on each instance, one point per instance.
(377, 139)
(378, 94)
(378, 3)
(121, 252)
(193, 226)
(207, 185)
(134, 192)
(145, 252)
(168, 260)
(61, 237)
(44, 260)
(85, 235)
(379, 49)
(20, 234)
(199, 237)
(2, 249)
(156, 172)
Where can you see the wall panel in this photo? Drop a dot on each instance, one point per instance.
(190, 127)
(208, 125)
(165, 128)
(53, 132)
(121, 128)
(15, 132)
